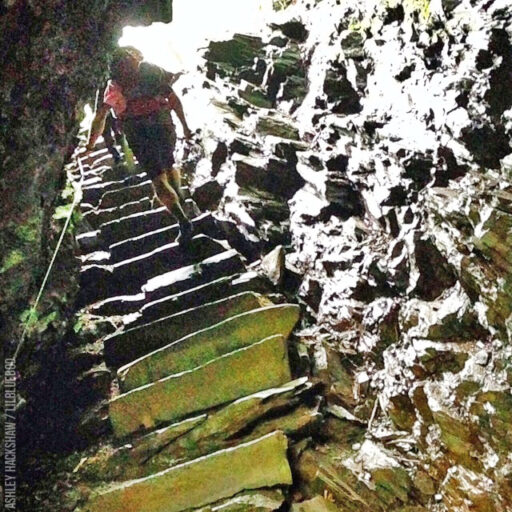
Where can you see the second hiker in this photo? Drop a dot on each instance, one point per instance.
(142, 97)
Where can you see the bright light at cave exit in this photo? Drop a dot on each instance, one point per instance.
(175, 46)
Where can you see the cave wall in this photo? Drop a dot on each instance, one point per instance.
(373, 142)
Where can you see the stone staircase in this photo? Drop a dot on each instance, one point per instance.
(203, 406)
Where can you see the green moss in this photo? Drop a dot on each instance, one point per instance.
(29, 231)
(13, 258)
(35, 323)
(256, 98)
(392, 484)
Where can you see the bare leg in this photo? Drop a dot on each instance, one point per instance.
(109, 140)
(167, 195)
(174, 178)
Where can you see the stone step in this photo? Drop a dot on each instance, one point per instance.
(202, 346)
(171, 283)
(114, 198)
(223, 264)
(89, 242)
(138, 341)
(120, 171)
(211, 291)
(94, 181)
(126, 277)
(137, 223)
(95, 158)
(149, 241)
(242, 372)
(98, 217)
(96, 187)
(260, 500)
(253, 465)
(291, 408)
(316, 504)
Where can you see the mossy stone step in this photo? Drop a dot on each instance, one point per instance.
(208, 292)
(202, 346)
(138, 341)
(233, 375)
(259, 463)
(261, 500)
(291, 408)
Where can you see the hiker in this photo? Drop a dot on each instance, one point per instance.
(142, 98)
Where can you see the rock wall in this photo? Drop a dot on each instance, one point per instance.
(373, 141)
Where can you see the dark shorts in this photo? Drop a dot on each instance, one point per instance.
(152, 139)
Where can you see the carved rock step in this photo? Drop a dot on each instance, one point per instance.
(262, 500)
(208, 292)
(171, 283)
(138, 341)
(200, 347)
(226, 263)
(98, 217)
(233, 375)
(94, 160)
(202, 481)
(149, 241)
(291, 408)
(317, 504)
(133, 225)
(126, 277)
(93, 192)
(88, 242)
(113, 198)
(136, 223)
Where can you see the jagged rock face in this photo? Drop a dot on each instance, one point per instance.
(374, 142)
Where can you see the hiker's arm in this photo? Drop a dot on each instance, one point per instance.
(98, 125)
(175, 104)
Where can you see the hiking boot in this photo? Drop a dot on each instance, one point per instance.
(185, 234)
